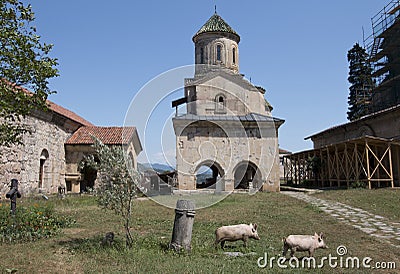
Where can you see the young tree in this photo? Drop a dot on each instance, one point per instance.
(360, 78)
(117, 185)
(24, 62)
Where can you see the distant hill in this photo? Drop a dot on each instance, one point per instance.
(160, 168)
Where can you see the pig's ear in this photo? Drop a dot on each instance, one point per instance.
(315, 234)
(322, 235)
(255, 226)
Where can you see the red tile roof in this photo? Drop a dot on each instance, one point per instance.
(107, 135)
(284, 151)
(56, 108)
(68, 114)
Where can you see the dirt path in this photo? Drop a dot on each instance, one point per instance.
(372, 224)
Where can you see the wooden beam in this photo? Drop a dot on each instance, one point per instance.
(346, 159)
(357, 167)
(367, 157)
(391, 166)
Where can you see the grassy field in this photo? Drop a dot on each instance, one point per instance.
(382, 201)
(78, 249)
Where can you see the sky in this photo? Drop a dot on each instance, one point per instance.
(108, 51)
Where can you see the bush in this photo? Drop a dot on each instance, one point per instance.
(31, 223)
(358, 184)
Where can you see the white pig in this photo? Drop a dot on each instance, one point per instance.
(233, 233)
(303, 243)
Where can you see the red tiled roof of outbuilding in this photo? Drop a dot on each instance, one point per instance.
(107, 135)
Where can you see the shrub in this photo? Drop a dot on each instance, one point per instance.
(31, 223)
(358, 184)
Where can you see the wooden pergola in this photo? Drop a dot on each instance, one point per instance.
(372, 160)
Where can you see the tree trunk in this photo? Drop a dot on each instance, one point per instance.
(183, 224)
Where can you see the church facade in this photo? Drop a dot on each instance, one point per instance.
(51, 156)
(228, 126)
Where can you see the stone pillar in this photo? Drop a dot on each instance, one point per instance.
(183, 224)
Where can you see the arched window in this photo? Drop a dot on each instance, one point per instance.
(218, 52)
(234, 55)
(43, 158)
(220, 103)
(202, 56)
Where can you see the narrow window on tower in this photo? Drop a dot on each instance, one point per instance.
(220, 103)
(202, 56)
(234, 56)
(218, 52)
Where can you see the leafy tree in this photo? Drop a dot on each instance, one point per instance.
(117, 185)
(24, 63)
(360, 78)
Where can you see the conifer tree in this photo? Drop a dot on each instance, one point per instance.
(360, 79)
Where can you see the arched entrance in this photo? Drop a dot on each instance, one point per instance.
(209, 175)
(247, 176)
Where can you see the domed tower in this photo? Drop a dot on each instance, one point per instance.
(228, 126)
(216, 46)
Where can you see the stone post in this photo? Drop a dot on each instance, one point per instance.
(183, 224)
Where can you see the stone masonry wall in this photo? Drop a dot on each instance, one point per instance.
(22, 162)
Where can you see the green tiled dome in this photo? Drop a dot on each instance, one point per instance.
(216, 24)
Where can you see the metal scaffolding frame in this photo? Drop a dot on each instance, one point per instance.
(372, 160)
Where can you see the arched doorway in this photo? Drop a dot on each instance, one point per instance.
(209, 175)
(247, 176)
(44, 156)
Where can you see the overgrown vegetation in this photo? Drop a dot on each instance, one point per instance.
(31, 223)
(358, 184)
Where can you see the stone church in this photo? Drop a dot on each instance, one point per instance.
(228, 127)
(51, 156)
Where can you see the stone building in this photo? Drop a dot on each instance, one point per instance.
(50, 156)
(228, 126)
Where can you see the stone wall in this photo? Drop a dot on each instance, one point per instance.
(226, 146)
(42, 152)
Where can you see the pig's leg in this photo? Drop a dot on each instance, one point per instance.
(222, 244)
(245, 238)
(216, 244)
(285, 249)
(292, 251)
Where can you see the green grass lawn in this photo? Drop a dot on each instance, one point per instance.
(78, 249)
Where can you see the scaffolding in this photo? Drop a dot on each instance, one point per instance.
(383, 49)
(369, 160)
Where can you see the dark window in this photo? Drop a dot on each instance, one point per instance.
(201, 56)
(234, 55)
(220, 104)
(218, 52)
